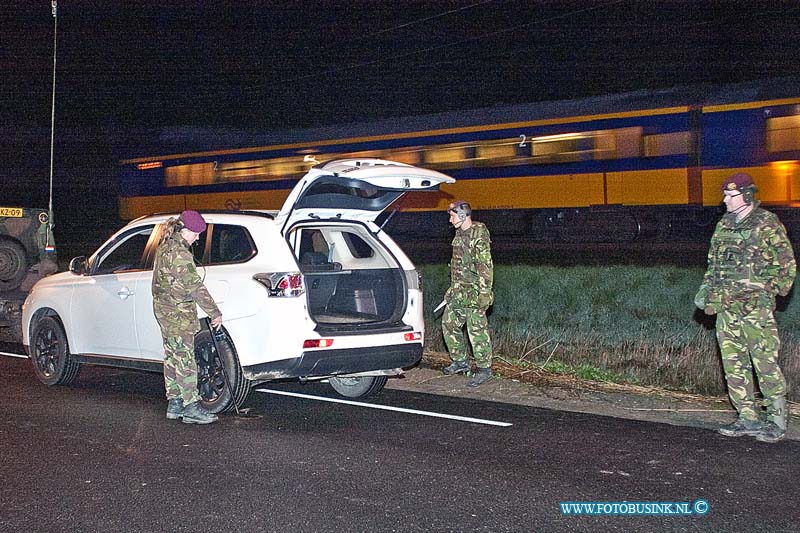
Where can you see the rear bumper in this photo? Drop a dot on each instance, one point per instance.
(319, 363)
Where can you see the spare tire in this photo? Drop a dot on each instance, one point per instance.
(13, 265)
(358, 387)
(212, 370)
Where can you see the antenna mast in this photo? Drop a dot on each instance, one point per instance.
(54, 8)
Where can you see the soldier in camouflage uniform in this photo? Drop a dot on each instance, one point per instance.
(177, 290)
(469, 296)
(750, 260)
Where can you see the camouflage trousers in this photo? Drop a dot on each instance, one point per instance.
(748, 342)
(180, 366)
(477, 328)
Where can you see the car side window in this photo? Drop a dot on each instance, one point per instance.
(314, 249)
(126, 254)
(358, 248)
(230, 244)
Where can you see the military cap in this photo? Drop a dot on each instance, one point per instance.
(737, 182)
(193, 221)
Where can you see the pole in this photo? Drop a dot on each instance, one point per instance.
(54, 9)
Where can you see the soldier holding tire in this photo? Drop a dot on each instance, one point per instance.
(177, 290)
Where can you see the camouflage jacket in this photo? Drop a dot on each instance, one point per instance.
(177, 286)
(749, 261)
(471, 268)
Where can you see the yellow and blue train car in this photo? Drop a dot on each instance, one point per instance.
(635, 166)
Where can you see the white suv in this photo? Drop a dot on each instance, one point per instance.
(314, 291)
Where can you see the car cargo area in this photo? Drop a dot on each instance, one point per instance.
(351, 281)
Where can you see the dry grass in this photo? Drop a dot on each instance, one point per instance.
(627, 325)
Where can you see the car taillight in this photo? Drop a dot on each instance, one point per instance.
(282, 284)
(415, 336)
(317, 343)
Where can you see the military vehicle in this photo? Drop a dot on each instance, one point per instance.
(27, 253)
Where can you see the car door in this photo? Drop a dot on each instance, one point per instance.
(103, 306)
(354, 189)
(151, 344)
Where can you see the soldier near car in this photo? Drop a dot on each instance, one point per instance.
(177, 291)
(750, 261)
(469, 296)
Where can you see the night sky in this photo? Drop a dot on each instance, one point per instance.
(127, 68)
(294, 63)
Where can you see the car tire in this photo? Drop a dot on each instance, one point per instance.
(52, 362)
(214, 393)
(358, 387)
(13, 265)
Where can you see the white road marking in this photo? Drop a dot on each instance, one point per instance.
(388, 408)
(359, 404)
(14, 355)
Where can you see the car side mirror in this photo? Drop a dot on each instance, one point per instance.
(78, 265)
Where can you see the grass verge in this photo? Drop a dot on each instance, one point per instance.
(620, 324)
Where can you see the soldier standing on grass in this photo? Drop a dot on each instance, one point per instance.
(750, 260)
(469, 296)
(177, 290)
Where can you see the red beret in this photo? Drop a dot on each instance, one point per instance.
(737, 182)
(193, 221)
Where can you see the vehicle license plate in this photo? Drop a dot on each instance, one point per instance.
(15, 212)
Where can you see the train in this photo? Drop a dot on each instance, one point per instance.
(642, 166)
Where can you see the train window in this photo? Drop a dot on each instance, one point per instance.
(260, 170)
(783, 133)
(234, 172)
(324, 158)
(363, 154)
(677, 142)
(366, 154)
(409, 156)
(498, 150)
(620, 143)
(605, 145)
(564, 148)
(601, 144)
(196, 174)
(447, 155)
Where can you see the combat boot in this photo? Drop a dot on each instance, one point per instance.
(458, 367)
(775, 428)
(480, 377)
(194, 413)
(175, 409)
(742, 427)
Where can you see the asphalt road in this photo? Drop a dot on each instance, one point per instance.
(100, 456)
